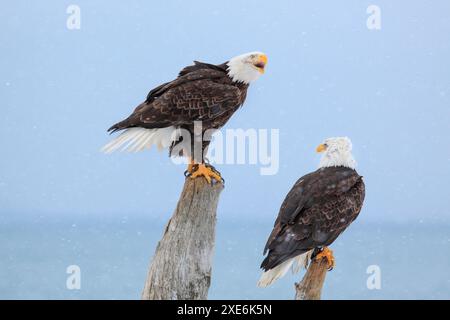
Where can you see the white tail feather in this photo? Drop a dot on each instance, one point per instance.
(272, 275)
(134, 142)
(138, 139)
(301, 261)
(298, 262)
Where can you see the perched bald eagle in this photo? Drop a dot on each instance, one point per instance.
(319, 207)
(202, 92)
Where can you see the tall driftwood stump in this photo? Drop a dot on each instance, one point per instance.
(310, 288)
(181, 266)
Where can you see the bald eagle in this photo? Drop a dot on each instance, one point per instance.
(318, 208)
(202, 92)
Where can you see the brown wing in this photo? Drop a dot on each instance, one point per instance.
(201, 94)
(316, 210)
(197, 71)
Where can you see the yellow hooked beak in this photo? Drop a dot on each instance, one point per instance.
(321, 148)
(261, 62)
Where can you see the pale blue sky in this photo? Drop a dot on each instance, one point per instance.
(328, 75)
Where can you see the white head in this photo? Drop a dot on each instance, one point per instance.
(336, 152)
(247, 67)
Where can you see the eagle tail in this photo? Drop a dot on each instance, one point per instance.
(138, 139)
(271, 275)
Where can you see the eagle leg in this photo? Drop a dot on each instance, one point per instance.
(190, 168)
(205, 170)
(328, 255)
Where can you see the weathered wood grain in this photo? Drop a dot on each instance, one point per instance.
(181, 266)
(310, 288)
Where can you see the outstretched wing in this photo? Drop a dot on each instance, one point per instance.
(316, 210)
(198, 95)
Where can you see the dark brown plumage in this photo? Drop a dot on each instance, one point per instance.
(202, 92)
(318, 208)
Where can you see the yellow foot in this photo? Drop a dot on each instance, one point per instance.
(207, 171)
(327, 254)
(190, 168)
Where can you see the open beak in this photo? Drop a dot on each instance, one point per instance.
(321, 148)
(261, 63)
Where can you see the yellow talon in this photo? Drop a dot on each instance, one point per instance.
(206, 171)
(328, 255)
(190, 167)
